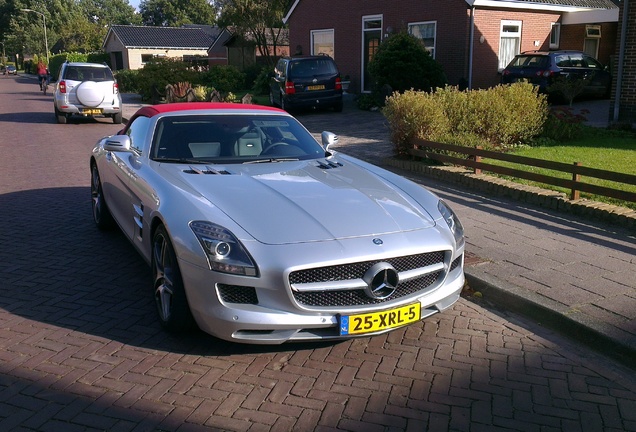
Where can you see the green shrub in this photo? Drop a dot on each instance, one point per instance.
(159, 72)
(562, 124)
(403, 63)
(261, 83)
(414, 114)
(223, 78)
(128, 81)
(497, 118)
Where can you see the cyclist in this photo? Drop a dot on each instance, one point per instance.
(43, 74)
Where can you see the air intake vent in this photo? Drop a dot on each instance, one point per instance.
(207, 170)
(326, 164)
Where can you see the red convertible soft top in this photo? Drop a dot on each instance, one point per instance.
(153, 110)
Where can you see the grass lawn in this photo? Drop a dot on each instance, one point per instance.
(597, 148)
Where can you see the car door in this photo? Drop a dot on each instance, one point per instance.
(121, 175)
(600, 78)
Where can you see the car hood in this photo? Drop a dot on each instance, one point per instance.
(306, 201)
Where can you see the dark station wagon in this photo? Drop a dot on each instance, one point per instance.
(306, 82)
(542, 68)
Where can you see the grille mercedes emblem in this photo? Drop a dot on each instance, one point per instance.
(382, 281)
(315, 80)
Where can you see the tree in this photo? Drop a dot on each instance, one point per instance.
(403, 63)
(260, 21)
(176, 13)
(108, 12)
(77, 25)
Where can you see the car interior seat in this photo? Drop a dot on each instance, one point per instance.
(249, 144)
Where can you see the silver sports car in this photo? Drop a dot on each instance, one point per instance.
(258, 234)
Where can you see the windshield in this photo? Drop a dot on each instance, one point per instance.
(236, 138)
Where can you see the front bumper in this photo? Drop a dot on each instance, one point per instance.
(277, 318)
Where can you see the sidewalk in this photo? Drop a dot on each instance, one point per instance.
(564, 271)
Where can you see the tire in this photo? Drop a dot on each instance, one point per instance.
(117, 118)
(168, 290)
(101, 214)
(338, 107)
(60, 117)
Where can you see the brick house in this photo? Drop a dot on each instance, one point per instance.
(473, 40)
(623, 107)
(130, 47)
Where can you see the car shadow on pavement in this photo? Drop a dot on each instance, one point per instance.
(30, 118)
(58, 269)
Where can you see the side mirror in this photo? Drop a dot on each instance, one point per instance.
(328, 139)
(117, 143)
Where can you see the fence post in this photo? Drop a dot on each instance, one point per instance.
(478, 160)
(575, 194)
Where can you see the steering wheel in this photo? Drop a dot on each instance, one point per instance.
(276, 144)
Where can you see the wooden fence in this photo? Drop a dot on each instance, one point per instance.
(423, 148)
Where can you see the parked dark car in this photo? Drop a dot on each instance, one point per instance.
(10, 70)
(306, 82)
(542, 68)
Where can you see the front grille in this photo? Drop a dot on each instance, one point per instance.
(237, 294)
(356, 270)
(358, 297)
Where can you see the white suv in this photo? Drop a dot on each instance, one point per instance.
(87, 89)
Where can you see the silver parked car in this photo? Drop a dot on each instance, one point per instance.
(86, 89)
(258, 234)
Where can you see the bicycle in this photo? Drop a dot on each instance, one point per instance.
(44, 84)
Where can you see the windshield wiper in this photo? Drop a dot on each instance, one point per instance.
(181, 160)
(271, 160)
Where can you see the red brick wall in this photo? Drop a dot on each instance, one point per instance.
(535, 26)
(572, 37)
(627, 105)
(453, 33)
(346, 20)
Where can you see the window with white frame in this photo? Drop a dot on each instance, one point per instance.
(555, 35)
(426, 32)
(509, 42)
(322, 42)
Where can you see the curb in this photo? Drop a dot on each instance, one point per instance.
(549, 314)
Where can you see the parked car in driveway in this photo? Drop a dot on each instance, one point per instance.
(257, 233)
(86, 89)
(542, 68)
(306, 82)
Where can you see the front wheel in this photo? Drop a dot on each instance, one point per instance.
(169, 292)
(101, 214)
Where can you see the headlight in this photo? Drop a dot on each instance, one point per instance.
(225, 253)
(452, 221)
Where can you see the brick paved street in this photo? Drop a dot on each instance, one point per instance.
(81, 348)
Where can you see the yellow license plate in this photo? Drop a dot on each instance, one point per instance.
(316, 87)
(377, 321)
(92, 111)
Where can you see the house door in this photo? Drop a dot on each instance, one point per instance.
(119, 60)
(371, 38)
